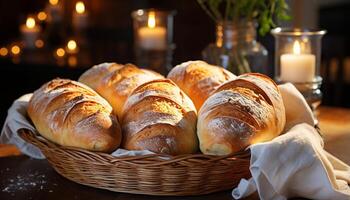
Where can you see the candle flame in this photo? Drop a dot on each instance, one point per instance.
(296, 48)
(53, 2)
(80, 7)
(71, 45)
(30, 23)
(151, 19)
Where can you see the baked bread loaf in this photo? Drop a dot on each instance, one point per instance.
(71, 114)
(115, 82)
(269, 89)
(239, 113)
(159, 117)
(198, 79)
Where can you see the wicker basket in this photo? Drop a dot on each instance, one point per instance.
(193, 174)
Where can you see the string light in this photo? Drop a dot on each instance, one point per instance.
(15, 50)
(72, 61)
(60, 52)
(3, 51)
(39, 43)
(42, 16)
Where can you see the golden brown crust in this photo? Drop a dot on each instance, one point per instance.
(158, 116)
(272, 91)
(243, 84)
(239, 113)
(115, 82)
(198, 79)
(71, 114)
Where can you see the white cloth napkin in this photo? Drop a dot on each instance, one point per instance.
(297, 109)
(295, 163)
(17, 119)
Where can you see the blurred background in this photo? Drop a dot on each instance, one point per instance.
(108, 36)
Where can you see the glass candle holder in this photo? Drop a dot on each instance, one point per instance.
(297, 60)
(153, 39)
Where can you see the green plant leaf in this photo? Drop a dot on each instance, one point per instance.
(265, 12)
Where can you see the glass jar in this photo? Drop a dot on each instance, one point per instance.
(297, 60)
(237, 49)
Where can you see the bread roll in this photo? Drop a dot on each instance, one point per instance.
(71, 114)
(239, 113)
(115, 82)
(198, 79)
(159, 117)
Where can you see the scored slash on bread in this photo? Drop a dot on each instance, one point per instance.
(240, 112)
(71, 114)
(272, 92)
(159, 117)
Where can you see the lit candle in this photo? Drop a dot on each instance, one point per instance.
(80, 16)
(152, 37)
(54, 9)
(30, 32)
(297, 67)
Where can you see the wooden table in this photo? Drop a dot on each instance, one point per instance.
(24, 178)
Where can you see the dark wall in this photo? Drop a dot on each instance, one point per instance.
(336, 54)
(111, 25)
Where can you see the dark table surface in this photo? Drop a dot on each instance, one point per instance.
(26, 178)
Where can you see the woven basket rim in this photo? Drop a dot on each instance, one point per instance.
(159, 159)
